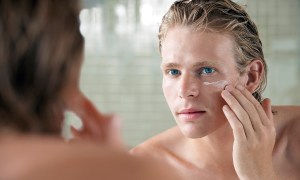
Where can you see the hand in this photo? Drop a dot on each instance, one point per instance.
(96, 127)
(254, 133)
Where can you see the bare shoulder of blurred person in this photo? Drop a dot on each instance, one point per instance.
(48, 159)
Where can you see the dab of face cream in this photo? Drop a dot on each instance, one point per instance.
(219, 84)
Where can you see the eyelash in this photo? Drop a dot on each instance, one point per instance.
(169, 71)
(201, 71)
(212, 69)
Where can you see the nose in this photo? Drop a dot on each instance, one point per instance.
(188, 87)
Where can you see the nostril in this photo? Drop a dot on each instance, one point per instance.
(188, 93)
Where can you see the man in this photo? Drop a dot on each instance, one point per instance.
(213, 75)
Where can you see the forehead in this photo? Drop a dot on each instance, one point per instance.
(182, 43)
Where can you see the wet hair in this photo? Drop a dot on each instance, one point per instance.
(40, 45)
(220, 16)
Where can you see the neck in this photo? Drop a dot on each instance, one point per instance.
(214, 149)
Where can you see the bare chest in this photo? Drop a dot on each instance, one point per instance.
(284, 166)
(286, 162)
(190, 171)
(286, 154)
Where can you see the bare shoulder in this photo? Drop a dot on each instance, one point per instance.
(160, 145)
(287, 124)
(286, 116)
(50, 159)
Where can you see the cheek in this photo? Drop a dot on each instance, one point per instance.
(167, 87)
(170, 91)
(213, 95)
(214, 101)
(212, 92)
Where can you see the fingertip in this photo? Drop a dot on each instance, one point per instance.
(266, 104)
(225, 86)
(225, 108)
(229, 88)
(117, 121)
(267, 100)
(74, 130)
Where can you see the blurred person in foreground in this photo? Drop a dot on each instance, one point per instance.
(214, 73)
(41, 52)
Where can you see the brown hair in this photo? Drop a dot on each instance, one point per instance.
(40, 44)
(220, 16)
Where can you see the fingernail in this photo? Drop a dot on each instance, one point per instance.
(226, 93)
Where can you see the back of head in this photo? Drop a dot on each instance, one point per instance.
(40, 46)
(219, 16)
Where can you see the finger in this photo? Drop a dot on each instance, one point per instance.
(237, 128)
(266, 104)
(114, 133)
(247, 104)
(95, 125)
(101, 128)
(74, 131)
(77, 134)
(239, 112)
(93, 121)
(261, 111)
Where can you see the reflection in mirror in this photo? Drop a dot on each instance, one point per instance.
(121, 72)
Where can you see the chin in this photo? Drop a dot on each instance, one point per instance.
(192, 132)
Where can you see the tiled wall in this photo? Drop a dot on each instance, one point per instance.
(279, 25)
(121, 71)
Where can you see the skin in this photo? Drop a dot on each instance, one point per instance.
(220, 133)
(98, 127)
(96, 152)
(36, 158)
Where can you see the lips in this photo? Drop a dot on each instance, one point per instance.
(189, 115)
(190, 111)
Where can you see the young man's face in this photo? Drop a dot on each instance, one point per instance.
(196, 67)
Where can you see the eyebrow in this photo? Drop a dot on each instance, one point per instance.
(205, 63)
(169, 65)
(197, 64)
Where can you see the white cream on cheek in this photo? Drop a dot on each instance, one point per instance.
(218, 84)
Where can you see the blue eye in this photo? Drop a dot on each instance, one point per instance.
(207, 70)
(173, 72)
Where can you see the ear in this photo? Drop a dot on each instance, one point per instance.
(254, 73)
